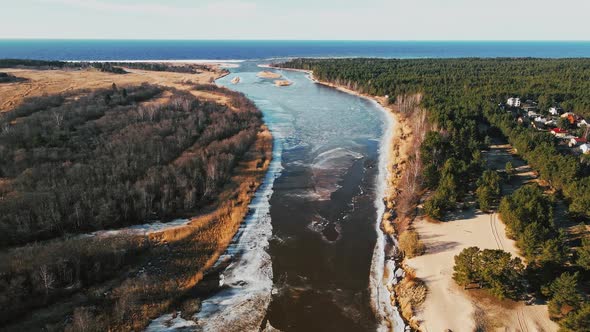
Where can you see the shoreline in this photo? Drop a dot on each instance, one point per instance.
(385, 272)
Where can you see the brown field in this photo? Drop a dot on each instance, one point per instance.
(40, 82)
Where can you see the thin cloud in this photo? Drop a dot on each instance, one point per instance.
(223, 8)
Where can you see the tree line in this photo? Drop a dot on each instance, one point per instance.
(48, 65)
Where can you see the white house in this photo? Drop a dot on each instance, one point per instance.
(514, 102)
(554, 111)
(567, 115)
(585, 148)
(541, 119)
(551, 123)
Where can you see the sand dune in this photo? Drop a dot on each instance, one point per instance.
(269, 74)
(448, 306)
(283, 82)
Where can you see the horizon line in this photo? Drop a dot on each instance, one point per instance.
(289, 40)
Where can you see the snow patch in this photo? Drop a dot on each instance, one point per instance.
(242, 304)
(171, 322)
(328, 168)
(144, 229)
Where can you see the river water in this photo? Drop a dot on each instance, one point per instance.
(302, 260)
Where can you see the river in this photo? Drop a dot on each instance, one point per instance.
(303, 257)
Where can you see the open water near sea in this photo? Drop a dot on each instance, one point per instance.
(244, 49)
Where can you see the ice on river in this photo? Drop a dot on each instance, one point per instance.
(329, 167)
(241, 304)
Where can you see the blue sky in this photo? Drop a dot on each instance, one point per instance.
(298, 19)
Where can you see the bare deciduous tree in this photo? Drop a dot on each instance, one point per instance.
(47, 278)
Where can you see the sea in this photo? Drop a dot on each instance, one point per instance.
(250, 49)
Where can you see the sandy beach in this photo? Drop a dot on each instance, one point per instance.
(269, 75)
(448, 306)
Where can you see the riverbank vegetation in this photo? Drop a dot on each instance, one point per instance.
(465, 100)
(8, 78)
(86, 161)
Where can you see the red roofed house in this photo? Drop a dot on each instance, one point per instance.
(577, 141)
(558, 132)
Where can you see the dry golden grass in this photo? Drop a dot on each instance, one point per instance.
(40, 82)
(411, 294)
(410, 244)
